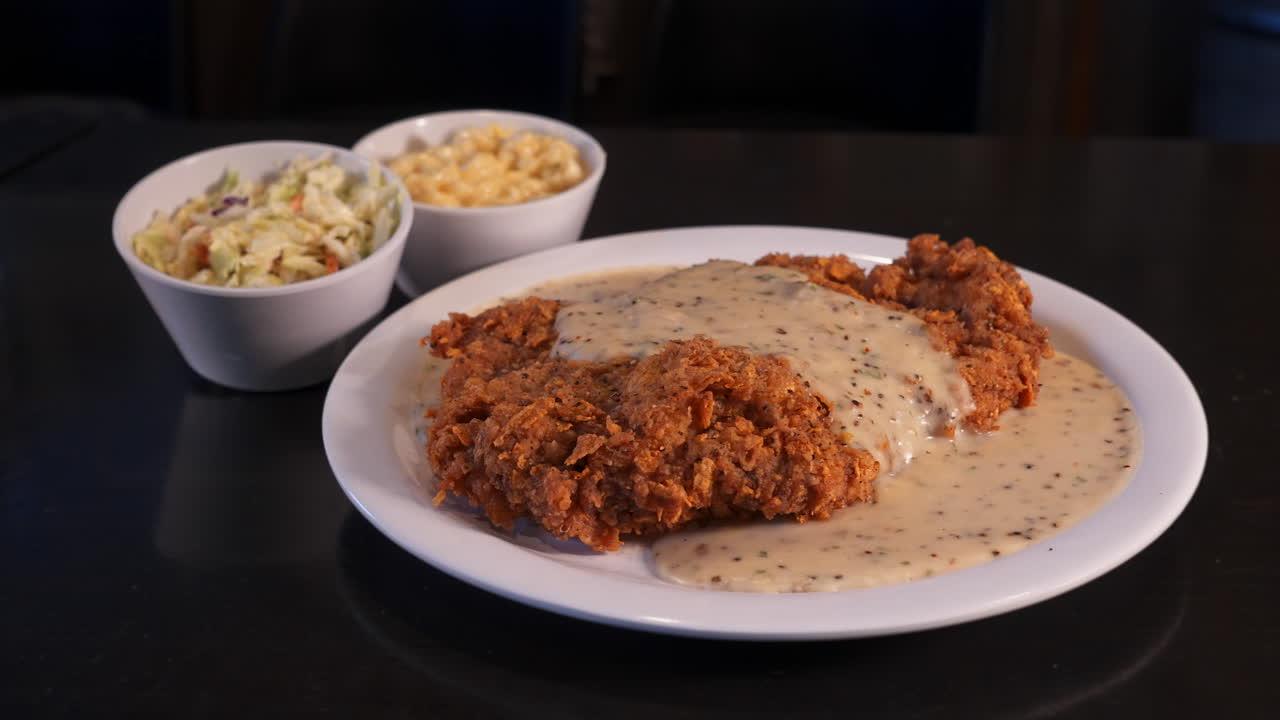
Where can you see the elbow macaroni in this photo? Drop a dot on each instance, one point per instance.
(487, 166)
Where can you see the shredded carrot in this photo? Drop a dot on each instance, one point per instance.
(202, 256)
(296, 203)
(331, 262)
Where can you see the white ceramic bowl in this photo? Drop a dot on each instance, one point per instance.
(448, 242)
(258, 338)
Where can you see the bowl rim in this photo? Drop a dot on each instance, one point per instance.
(575, 134)
(122, 237)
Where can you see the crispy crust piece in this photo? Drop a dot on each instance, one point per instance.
(835, 272)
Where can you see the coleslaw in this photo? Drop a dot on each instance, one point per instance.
(311, 219)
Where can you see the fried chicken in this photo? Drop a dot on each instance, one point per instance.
(596, 450)
(699, 431)
(977, 307)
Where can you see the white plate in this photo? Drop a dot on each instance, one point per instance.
(375, 457)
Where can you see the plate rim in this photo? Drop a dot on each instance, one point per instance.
(521, 586)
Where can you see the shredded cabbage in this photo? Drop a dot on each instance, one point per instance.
(311, 219)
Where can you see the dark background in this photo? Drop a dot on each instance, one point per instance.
(171, 548)
(1199, 68)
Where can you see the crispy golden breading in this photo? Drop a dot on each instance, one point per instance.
(977, 307)
(835, 272)
(504, 337)
(597, 450)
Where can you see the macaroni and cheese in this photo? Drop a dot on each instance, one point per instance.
(492, 165)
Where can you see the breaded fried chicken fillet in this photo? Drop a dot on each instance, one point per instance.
(597, 450)
(977, 307)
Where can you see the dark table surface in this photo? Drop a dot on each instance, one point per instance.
(173, 547)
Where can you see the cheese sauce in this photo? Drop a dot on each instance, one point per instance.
(891, 389)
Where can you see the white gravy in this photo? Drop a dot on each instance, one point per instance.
(943, 504)
(891, 389)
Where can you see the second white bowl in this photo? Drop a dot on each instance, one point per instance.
(447, 242)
